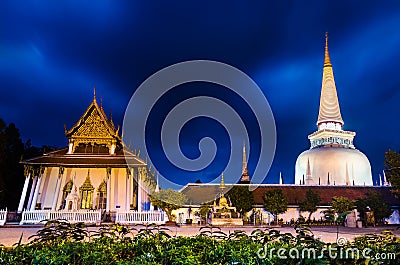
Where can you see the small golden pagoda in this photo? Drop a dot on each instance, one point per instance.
(223, 213)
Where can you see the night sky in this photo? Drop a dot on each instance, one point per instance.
(53, 53)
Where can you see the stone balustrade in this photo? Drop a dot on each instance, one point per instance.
(140, 217)
(85, 216)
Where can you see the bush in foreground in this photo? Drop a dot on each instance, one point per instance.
(60, 242)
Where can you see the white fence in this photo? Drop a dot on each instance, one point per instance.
(144, 217)
(3, 216)
(85, 216)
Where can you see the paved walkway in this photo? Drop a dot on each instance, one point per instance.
(10, 235)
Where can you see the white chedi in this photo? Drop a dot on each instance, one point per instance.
(332, 158)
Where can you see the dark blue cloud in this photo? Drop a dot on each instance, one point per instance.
(52, 54)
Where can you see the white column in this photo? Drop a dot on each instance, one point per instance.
(33, 204)
(131, 191)
(139, 190)
(70, 147)
(94, 199)
(32, 192)
(23, 194)
(112, 149)
(108, 190)
(57, 190)
(127, 189)
(151, 207)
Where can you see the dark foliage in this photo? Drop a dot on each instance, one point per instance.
(242, 198)
(376, 203)
(310, 203)
(392, 170)
(11, 172)
(275, 202)
(62, 243)
(12, 151)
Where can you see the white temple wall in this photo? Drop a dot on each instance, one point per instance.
(47, 189)
(291, 213)
(118, 196)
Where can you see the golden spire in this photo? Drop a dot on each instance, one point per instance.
(244, 162)
(87, 185)
(94, 93)
(329, 109)
(222, 185)
(245, 178)
(327, 60)
(222, 200)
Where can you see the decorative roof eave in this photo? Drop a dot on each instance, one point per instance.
(330, 132)
(60, 158)
(85, 164)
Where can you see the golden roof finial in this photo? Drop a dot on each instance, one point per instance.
(94, 93)
(87, 185)
(329, 109)
(222, 185)
(327, 60)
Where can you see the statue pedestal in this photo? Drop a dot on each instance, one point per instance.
(226, 221)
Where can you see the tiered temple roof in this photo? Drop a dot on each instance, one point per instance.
(92, 142)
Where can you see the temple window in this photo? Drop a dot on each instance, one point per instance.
(86, 194)
(102, 196)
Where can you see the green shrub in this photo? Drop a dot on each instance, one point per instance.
(62, 243)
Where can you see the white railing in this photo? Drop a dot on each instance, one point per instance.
(3, 216)
(140, 217)
(85, 216)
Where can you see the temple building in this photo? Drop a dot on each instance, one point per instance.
(93, 172)
(97, 172)
(332, 158)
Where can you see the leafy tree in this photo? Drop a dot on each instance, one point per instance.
(310, 203)
(242, 198)
(168, 200)
(329, 214)
(392, 170)
(374, 201)
(11, 171)
(342, 207)
(275, 202)
(203, 210)
(34, 151)
(342, 204)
